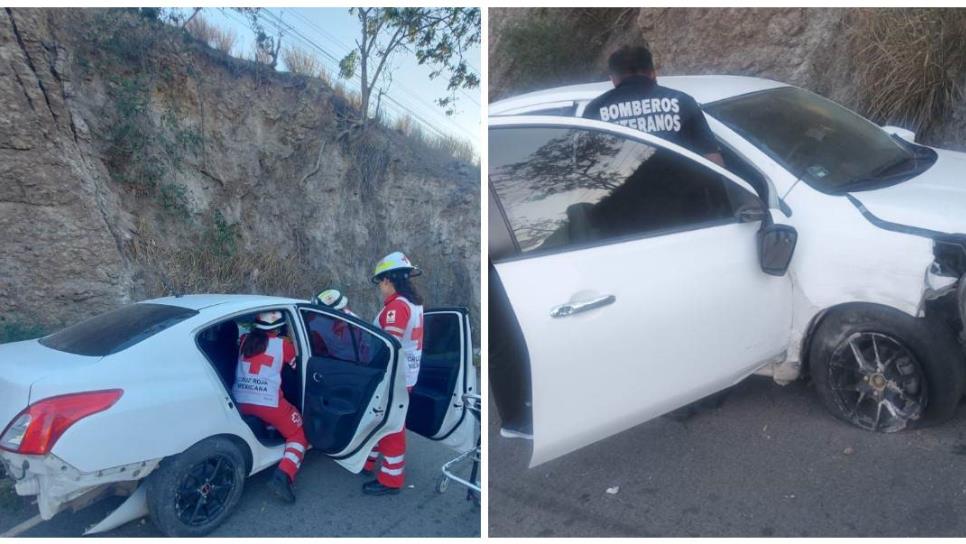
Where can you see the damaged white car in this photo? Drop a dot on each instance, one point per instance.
(138, 402)
(643, 277)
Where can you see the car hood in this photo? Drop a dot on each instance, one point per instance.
(934, 200)
(22, 364)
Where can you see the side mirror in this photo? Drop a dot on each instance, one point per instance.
(905, 134)
(776, 244)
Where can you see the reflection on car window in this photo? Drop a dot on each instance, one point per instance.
(117, 330)
(339, 339)
(561, 187)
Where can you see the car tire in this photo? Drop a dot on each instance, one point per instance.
(207, 479)
(911, 373)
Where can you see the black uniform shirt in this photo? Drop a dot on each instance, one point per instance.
(640, 103)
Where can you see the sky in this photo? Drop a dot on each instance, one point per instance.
(335, 31)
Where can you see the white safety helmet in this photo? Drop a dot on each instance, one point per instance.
(333, 298)
(394, 261)
(267, 321)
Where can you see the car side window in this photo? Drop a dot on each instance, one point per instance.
(339, 339)
(563, 187)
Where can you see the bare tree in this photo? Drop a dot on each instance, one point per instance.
(436, 36)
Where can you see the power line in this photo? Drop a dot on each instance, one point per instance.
(279, 23)
(346, 49)
(311, 43)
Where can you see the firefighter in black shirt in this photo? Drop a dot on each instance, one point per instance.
(638, 102)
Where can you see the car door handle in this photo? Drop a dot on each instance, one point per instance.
(572, 308)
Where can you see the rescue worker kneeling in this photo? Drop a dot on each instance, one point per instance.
(258, 392)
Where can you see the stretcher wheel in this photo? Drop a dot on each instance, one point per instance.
(442, 482)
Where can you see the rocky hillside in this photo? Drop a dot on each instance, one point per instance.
(135, 161)
(901, 66)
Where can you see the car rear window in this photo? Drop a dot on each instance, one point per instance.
(116, 330)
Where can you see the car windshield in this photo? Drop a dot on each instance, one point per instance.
(116, 330)
(831, 148)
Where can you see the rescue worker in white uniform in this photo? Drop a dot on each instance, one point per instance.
(258, 392)
(402, 317)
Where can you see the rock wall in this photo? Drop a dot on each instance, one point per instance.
(808, 47)
(117, 164)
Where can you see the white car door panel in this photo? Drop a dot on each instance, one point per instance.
(437, 410)
(692, 314)
(647, 320)
(354, 385)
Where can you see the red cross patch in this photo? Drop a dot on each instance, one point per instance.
(296, 419)
(391, 316)
(256, 363)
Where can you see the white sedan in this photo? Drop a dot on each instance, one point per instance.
(138, 401)
(644, 277)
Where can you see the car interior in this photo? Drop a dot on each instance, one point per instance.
(220, 345)
(508, 363)
(439, 370)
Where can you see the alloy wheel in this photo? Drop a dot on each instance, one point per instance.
(204, 491)
(877, 382)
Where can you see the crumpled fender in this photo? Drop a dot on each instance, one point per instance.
(135, 507)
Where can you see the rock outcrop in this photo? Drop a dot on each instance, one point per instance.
(135, 159)
(808, 47)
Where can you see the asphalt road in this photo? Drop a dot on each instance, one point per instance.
(330, 503)
(770, 461)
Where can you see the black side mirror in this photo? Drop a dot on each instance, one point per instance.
(776, 244)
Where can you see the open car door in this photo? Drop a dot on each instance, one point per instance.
(634, 278)
(446, 373)
(354, 389)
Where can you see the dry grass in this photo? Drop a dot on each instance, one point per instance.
(352, 97)
(910, 63)
(301, 62)
(445, 146)
(213, 263)
(225, 41)
(259, 55)
(203, 30)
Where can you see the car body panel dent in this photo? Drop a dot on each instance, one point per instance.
(56, 482)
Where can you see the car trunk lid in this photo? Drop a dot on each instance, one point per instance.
(22, 364)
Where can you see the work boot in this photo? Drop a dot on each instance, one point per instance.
(281, 485)
(370, 473)
(376, 488)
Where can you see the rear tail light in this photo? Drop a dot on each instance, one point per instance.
(35, 430)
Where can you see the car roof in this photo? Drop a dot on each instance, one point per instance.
(227, 302)
(705, 89)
